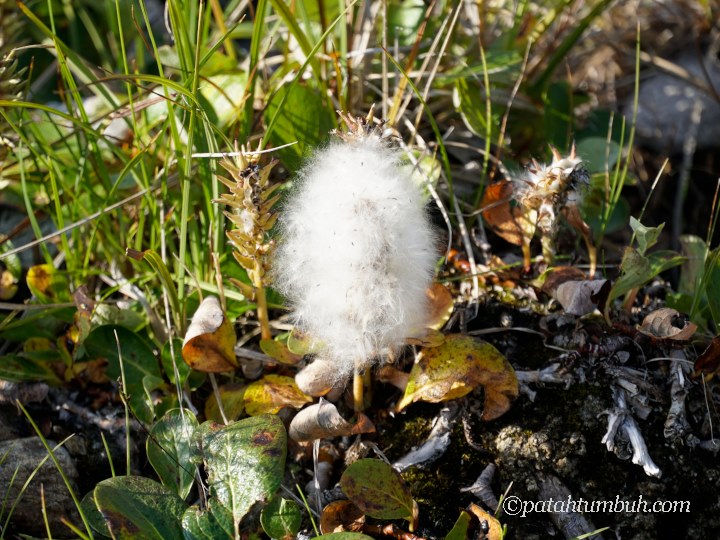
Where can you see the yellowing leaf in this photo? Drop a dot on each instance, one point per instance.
(47, 284)
(457, 367)
(272, 393)
(279, 351)
(495, 531)
(210, 339)
(232, 398)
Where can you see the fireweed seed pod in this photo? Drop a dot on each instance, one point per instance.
(357, 251)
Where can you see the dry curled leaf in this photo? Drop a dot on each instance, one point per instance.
(341, 516)
(323, 421)
(318, 378)
(507, 221)
(271, 393)
(456, 368)
(709, 361)
(441, 306)
(210, 340)
(580, 297)
(667, 323)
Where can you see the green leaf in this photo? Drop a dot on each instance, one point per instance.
(404, 19)
(142, 372)
(215, 523)
(469, 99)
(137, 507)
(646, 237)
(281, 518)
(712, 285)
(304, 118)
(169, 363)
(168, 450)
(378, 490)
(93, 515)
(460, 529)
(558, 116)
(244, 461)
(638, 270)
(15, 368)
(694, 248)
(598, 154)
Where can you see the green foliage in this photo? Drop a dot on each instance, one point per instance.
(378, 490)
(245, 464)
(281, 518)
(104, 146)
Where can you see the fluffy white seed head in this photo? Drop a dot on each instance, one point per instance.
(552, 185)
(357, 252)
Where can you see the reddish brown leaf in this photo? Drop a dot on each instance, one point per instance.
(709, 361)
(210, 339)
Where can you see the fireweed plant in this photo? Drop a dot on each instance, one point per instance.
(357, 251)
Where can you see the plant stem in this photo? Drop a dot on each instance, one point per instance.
(262, 308)
(358, 388)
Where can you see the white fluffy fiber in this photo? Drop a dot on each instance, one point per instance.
(357, 252)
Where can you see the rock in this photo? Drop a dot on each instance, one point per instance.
(21, 458)
(669, 105)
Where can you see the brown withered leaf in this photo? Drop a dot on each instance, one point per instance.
(441, 305)
(394, 376)
(318, 378)
(667, 323)
(456, 368)
(323, 421)
(559, 275)
(709, 361)
(271, 393)
(507, 221)
(580, 297)
(210, 340)
(341, 516)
